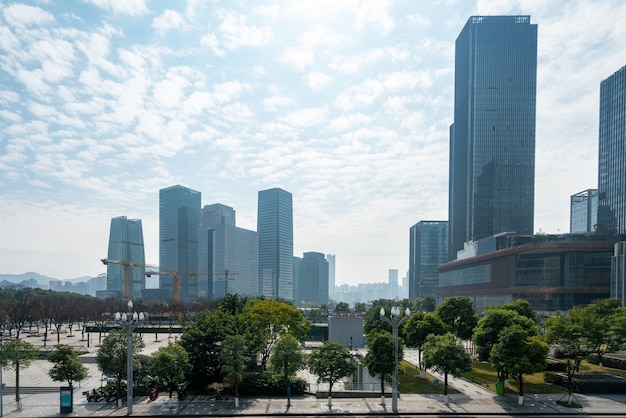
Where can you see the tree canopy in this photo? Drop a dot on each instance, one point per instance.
(67, 367)
(330, 363)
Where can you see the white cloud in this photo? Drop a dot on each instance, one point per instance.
(236, 31)
(298, 58)
(210, 40)
(21, 15)
(317, 80)
(306, 118)
(129, 7)
(168, 20)
(274, 103)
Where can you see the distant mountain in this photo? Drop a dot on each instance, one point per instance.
(40, 278)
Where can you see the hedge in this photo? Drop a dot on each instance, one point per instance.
(266, 384)
(587, 384)
(608, 361)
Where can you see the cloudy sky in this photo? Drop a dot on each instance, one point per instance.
(344, 103)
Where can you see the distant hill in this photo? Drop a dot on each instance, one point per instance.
(40, 278)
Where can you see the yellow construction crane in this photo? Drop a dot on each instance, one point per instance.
(176, 274)
(127, 265)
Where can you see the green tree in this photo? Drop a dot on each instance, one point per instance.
(446, 354)
(428, 304)
(270, 319)
(170, 365)
(202, 339)
(330, 363)
(459, 316)
(379, 359)
(67, 367)
(487, 333)
(418, 328)
(517, 353)
(17, 354)
(286, 359)
(112, 355)
(234, 356)
(567, 334)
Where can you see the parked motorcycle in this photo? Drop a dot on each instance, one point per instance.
(154, 393)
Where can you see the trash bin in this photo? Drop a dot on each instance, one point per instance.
(500, 387)
(67, 399)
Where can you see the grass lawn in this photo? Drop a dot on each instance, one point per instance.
(487, 377)
(411, 382)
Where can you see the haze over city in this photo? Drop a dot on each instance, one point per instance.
(345, 104)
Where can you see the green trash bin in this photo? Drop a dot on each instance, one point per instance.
(500, 387)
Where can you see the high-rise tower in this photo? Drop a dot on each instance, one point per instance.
(179, 224)
(227, 255)
(612, 155)
(428, 248)
(492, 140)
(126, 244)
(275, 232)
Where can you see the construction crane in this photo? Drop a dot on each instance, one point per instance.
(127, 265)
(176, 274)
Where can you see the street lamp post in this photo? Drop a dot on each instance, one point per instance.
(130, 321)
(395, 321)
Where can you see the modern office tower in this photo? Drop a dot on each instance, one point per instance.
(126, 244)
(583, 211)
(428, 248)
(275, 232)
(612, 155)
(492, 140)
(331, 275)
(227, 255)
(393, 283)
(311, 280)
(179, 224)
(618, 273)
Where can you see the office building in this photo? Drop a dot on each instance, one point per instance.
(583, 211)
(227, 255)
(492, 139)
(179, 224)
(331, 276)
(392, 277)
(552, 272)
(311, 279)
(428, 248)
(125, 245)
(612, 155)
(275, 233)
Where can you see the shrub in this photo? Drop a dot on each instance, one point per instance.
(266, 384)
(608, 361)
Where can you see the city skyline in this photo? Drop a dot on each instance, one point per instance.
(345, 104)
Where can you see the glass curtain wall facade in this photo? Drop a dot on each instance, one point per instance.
(618, 273)
(312, 279)
(275, 233)
(179, 225)
(492, 139)
(612, 155)
(227, 256)
(428, 248)
(583, 211)
(126, 244)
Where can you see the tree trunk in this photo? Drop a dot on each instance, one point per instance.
(17, 382)
(382, 390)
(445, 384)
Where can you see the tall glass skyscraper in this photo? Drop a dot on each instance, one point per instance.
(227, 255)
(275, 232)
(612, 155)
(492, 140)
(583, 211)
(428, 248)
(126, 244)
(312, 280)
(179, 225)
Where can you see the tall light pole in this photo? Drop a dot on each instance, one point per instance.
(395, 321)
(130, 321)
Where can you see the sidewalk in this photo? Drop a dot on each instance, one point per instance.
(47, 405)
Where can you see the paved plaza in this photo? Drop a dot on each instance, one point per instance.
(40, 397)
